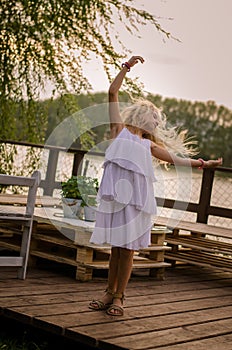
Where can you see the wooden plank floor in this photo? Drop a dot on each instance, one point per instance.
(190, 309)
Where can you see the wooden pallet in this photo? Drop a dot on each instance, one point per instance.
(48, 242)
(201, 259)
(199, 244)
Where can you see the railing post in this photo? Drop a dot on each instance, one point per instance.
(77, 159)
(50, 183)
(205, 195)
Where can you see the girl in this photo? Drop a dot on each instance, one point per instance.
(127, 200)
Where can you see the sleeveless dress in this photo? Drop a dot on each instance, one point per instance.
(126, 194)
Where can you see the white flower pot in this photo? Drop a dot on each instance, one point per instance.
(71, 207)
(90, 213)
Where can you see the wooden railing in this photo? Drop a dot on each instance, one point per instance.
(49, 183)
(203, 208)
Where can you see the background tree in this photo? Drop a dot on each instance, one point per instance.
(207, 123)
(43, 40)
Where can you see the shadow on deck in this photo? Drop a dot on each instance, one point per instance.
(190, 309)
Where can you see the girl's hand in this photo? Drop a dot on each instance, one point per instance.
(212, 163)
(134, 60)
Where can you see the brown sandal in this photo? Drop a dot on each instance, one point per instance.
(113, 307)
(98, 304)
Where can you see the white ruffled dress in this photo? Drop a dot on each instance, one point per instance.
(126, 194)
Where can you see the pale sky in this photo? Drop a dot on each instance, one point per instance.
(199, 68)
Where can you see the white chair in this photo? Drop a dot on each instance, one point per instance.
(23, 217)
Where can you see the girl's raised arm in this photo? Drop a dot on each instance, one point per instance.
(116, 123)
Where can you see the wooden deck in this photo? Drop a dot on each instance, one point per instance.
(190, 309)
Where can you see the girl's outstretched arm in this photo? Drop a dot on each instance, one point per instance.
(171, 158)
(116, 123)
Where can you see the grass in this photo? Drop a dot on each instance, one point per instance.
(22, 341)
(16, 336)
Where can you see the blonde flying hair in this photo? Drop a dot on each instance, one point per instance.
(143, 114)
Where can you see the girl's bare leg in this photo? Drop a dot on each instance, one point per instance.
(113, 269)
(124, 269)
(120, 266)
(112, 275)
(112, 278)
(124, 273)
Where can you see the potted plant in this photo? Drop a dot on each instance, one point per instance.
(79, 191)
(71, 197)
